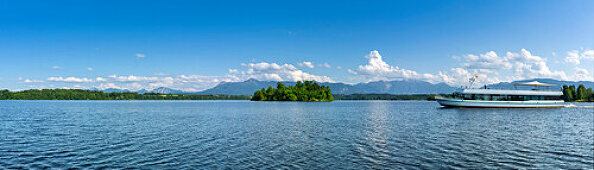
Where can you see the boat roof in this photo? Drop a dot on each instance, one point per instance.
(511, 92)
(533, 83)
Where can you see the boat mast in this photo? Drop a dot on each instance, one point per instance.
(472, 80)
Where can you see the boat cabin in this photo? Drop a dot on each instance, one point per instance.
(534, 94)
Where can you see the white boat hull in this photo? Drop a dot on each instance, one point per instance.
(508, 104)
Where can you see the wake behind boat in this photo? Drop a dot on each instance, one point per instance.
(511, 98)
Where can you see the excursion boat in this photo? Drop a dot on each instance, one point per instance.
(539, 95)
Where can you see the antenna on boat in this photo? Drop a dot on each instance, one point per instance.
(472, 80)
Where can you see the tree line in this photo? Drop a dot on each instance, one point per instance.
(582, 94)
(302, 91)
(388, 96)
(78, 94)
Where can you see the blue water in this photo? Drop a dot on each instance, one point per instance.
(329, 135)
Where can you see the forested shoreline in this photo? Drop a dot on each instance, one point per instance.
(581, 94)
(78, 94)
(306, 91)
(429, 97)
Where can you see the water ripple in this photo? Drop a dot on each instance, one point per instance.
(285, 135)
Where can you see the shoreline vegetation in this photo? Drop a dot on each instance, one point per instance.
(78, 94)
(423, 97)
(308, 91)
(570, 94)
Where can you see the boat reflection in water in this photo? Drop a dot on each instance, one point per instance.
(538, 96)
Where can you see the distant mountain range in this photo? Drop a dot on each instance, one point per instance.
(556, 83)
(393, 87)
(248, 87)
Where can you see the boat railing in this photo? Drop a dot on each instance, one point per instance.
(512, 89)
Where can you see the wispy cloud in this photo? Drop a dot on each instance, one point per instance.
(139, 56)
(306, 64)
(575, 56)
(325, 65)
(32, 81)
(89, 68)
(75, 79)
(57, 67)
(161, 74)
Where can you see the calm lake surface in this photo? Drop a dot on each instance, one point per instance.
(332, 135)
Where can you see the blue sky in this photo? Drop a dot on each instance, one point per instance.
(194, 45)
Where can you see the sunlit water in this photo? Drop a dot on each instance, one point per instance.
(330, 135)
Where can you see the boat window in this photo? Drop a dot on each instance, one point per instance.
(516, 98)
(484, 97)
(498, 97)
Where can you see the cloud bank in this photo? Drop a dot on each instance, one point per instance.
(490, 67)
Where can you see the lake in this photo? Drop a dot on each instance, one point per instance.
(294, 135)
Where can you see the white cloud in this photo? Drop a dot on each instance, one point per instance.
(525, 65)
(161, 74)
(352, 71)
(100, 79)
(575, 56)
(326, 65)
(76, 79)
(588, 54)
(132, 78)
(522, 65)
(489, 67)
(33, 81)
(582, 74)
(572, 57)
(486, 62)
(377, 69)
(460, 77)
(57, 67)
(89, 68)
(276, 72)
(306, 64)
(132, 82)
(70, 79)
(104, 86)
(139, 56)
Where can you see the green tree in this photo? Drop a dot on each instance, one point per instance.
(306, 91)
(292, 97)
(573, 92)
(590, 95)
(567, 94)
(581, 93)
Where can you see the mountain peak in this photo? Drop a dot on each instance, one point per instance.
(251, 80)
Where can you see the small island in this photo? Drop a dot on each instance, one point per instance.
(307, 91)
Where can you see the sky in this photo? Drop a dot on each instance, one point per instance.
(195, 45)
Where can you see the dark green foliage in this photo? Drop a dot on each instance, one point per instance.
(77, 94)
(570, 94)
(306, 91)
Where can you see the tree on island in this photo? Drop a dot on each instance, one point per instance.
(303, 91)
(582, 94)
